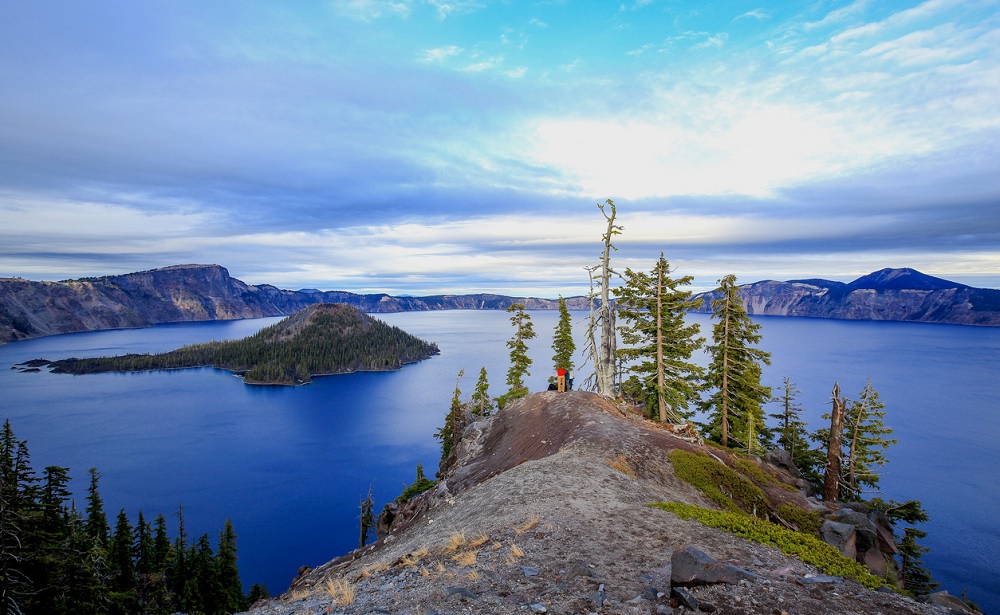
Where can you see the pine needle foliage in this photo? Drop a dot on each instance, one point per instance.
(735, 407)
(657, 343)
(520, 362)
(563, 345)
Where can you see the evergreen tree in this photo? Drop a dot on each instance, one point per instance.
(735, 407)
(121, 567)
(658, 343)
(865, 440)
(231, 598)
(563, 345)
(481, 404)
(454, 423)
(916, 578)
(258, 591)
(97, 521)
(16, 491)
(792, 434)
(520, 362)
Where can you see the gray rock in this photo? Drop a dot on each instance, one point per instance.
(685, 598)
(529, 571)
(462, 592)
(692, 566)
(840, 536)
(819, 579)
(537, 608)
(954, 605)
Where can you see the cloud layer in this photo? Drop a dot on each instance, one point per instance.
(418, 147)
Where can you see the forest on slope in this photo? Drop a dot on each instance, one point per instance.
(318, 340)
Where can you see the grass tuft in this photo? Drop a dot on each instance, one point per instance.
(621, 464)
(340, 591)
(527, 525)
(466, 558)
(455, 542)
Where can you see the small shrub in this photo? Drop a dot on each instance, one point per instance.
(807, 522)
(720, 483)
(420, 485)
(809, 549)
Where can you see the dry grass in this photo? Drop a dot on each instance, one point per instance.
(473, 575)
(621, 464)
(466, 558)
(455, 542)
(424, 572)
(516, 551)
(370, 569)
(479, 540)
(422, 552)
(408, 560)
(340, 591)
(527, 525)
(440, 568)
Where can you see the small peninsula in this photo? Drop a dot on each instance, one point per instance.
(322, 339)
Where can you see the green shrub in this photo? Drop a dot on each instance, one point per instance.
(758, 475)
(720, 483)
(807, 521)
(421, 484)
(809, 549)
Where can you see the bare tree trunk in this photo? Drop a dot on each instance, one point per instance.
(604, 353)
(725, 376)
(834, 452)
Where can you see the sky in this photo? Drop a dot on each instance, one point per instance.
(459, 146)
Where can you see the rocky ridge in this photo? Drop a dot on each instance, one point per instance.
(888, 294)
(191, 293)
(546, 510)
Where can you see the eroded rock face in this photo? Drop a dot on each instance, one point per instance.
(692, 566)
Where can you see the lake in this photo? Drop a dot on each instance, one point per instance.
(290, 465)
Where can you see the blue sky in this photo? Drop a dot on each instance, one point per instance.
(418, 147)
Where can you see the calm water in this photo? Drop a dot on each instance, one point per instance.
(289, 465)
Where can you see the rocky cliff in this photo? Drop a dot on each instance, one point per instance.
(188, 293)
(888, 294)
(545, 509)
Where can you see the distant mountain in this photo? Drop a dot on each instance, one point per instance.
(194, 292)
(887, 294)
(318, 340)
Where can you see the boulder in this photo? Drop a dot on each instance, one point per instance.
(691, 566)
(954, 605)
(841, 536)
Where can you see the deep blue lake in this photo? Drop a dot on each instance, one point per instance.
(289, 465)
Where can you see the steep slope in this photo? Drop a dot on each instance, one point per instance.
(546, 510)
(888, 294)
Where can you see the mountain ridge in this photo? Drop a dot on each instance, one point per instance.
(904, 295)
(180, 293)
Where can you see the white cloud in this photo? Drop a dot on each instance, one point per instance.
(441, 53)
(758, 14)
(370, 10)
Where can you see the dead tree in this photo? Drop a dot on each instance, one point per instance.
(834, 447)
(602, 313)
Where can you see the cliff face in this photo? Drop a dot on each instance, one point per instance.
(190, 293)
(889, 294)
(545, 509)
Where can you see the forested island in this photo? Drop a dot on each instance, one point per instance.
(321, 339)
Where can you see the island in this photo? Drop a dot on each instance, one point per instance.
(322, 339)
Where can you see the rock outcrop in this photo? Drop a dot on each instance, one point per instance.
(191, 293)
(545, 509)
(888, 294)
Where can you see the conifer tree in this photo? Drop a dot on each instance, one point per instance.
(121, 568)
(735, 407)
(231, 597)
(481, 404)
(520, 362)
(97, 521)
(865, 440)
(454, 423)
(658, 344)
(563, 345)
(792, 434)
(16, 481)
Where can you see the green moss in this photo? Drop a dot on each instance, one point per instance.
(809, 549)
(722, 484)
(758, 475)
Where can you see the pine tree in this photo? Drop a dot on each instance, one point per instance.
(97, 521)
(16, 497)
(451, 432)
(658, 343)
(916, 578)
(121, 567)
(481, 404)
(563, 345)
(865, 442)
(520, 362)
(736, 406)
(793, 436)
(231, 599)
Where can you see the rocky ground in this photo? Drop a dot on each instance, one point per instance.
(547, 512)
